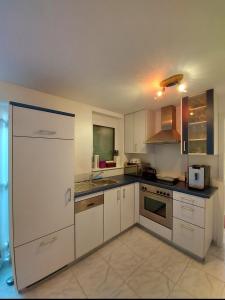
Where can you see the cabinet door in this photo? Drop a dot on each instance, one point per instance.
(42, 187)
(36, 123)
(184, 143)
(127, 206)
(189, 213)
(129, 133)
(198, 123)
(40, 258)
(189, 237)
(140, 131)
(89, 230)
(112, 200)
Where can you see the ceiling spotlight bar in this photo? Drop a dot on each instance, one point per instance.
(171, 81)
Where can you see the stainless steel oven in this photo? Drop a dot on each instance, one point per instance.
(156, 204)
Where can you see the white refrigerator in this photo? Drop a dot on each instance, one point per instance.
(42, 192)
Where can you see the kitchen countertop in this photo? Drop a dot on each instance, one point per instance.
(127, 179)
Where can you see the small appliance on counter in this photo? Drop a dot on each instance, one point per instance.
(198, 176)
(135, 167)
(149, 173)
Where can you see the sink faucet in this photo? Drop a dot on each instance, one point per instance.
(97, 175)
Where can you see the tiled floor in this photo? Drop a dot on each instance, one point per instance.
(134, 265)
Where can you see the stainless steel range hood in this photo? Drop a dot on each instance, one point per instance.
(168, 133)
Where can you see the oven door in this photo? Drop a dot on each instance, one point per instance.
(157, 208)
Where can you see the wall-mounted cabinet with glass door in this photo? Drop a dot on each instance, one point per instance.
(199, 124)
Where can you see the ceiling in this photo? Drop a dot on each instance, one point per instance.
(113, 53)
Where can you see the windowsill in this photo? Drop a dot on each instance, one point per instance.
(104, 169)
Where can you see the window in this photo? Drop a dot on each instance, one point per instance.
(103, 142)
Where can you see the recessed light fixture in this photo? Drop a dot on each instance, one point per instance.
(171, 81)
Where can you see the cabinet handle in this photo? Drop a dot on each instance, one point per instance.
(124, 193)
(118, 195)
(184, 146)
(187, 228)
(45, 132)
(90, 204)
(68, 195)
(187, 208)
(52, 240)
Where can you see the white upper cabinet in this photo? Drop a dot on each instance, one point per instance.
(129, 133)
(137, 129)
(36, 123)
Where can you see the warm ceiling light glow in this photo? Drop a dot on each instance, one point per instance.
(159, 93)
(191, 113)
(182, 88)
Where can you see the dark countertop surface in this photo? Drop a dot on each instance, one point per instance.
(126, 179)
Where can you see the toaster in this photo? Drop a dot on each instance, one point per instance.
(198, 176)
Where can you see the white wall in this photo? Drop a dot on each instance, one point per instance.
(83, 119)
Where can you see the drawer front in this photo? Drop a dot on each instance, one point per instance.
(88, 203)
(40, 258)
(34, 123)
(194, 200)
(189, 237)
(189, 213)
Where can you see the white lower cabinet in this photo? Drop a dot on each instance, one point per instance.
(189, 213)
(112, 211)
(127, 206)
(40, 258)
(189, 237)
(89, 227)
(192, 223)
(119, 210)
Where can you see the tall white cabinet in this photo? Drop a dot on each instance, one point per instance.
(42, 189)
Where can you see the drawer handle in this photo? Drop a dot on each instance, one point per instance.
(187, 228)
(45, 132)
(186, 199)
(90, 204)
(124, 193)
(187, 208)
(42, 244)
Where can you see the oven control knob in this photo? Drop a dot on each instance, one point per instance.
(164, 194)
(161, 193)
(168, 194)
(157, 192)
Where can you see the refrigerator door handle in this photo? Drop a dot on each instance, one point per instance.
(68, 195)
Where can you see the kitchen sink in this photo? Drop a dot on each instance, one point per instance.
(89, 185)
(100, 182)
